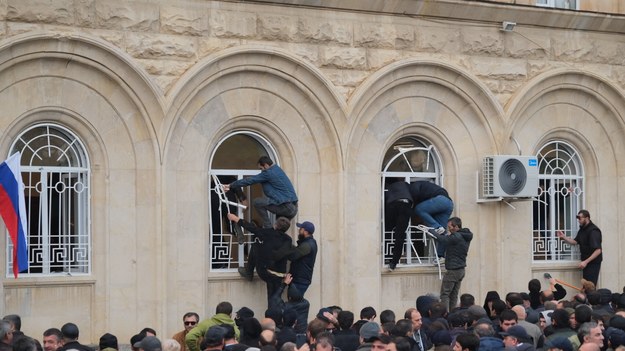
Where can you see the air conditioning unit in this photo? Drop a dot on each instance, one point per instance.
(510, 176)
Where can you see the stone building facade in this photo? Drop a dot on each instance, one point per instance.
(154, 98)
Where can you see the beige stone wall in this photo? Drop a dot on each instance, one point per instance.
(153, 86)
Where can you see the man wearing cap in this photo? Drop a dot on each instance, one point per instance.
(189, 321)
(371, 338)
(70, 338)
(214, 339)
(149, 343)
(223, 313)
(516, 338)
(303, 257)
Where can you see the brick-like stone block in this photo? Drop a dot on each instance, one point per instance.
(137, 16)
(518, 46)
(160, 46)
(494, 68)
(85, 13)
(307, 52)
(345, 78)
(165, 67)
(611, 52)
(376, 58)
(228, 24)
(481, 42)
(276, 27)
(349, 58)
(41, 11)
(3, 10)
(207, 46)
(14, 28)
(323, 30)
(382, 35)
(184, 20)
(438, 39)
(573, 47)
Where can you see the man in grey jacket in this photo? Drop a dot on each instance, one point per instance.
(457, 242)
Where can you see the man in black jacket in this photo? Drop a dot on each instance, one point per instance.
(457, 243)
(70, 337)
(589, 240)
(303, 257)
(269, 258)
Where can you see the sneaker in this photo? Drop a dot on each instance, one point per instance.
(439, 261)
(245, 274)
(392, 266)
(440, 230)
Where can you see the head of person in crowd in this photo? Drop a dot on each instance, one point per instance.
(6, 335)
(458, 320)
(507, 319)
(484, 328)
(171, 345)
(288, 346)
(70, 332)
(403, 328)
(251, 332)
(544, 319)
(147, 331)
(415, 318)
(514, 336)
(369, 331)
(558, 344)
(190, 320)
(324, 341)
(149, 343)
(467, 300)
(437, 310)
(314, 329)
(423, 304)
(268, 337)
(368, 313)
(275, 315)
(108, 341)
(345, 319)
(560, 319)
(289, 318)
(268, 324)
(52, 339)
(213, 339)
(134, 340)
(15, 321)
(534, 286)
(441, 338)
(498, 306)
(466, 342)
(488, 301)
(590, 332)
(614, 338)
(583, 314)
(242, 314)
(224, 307)
(387, 316)
(25, 343)
(398, 343)
(513, 299)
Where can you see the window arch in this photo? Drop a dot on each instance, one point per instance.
(235, 157)
(56, 173)
(561, 196)
(410, 159)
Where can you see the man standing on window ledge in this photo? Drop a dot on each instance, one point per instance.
(280, 197)
(589, 240)
(398, 211)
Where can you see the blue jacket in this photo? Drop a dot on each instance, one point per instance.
(489, 343)
(276, 185)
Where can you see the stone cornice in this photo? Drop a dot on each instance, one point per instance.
(468, 10)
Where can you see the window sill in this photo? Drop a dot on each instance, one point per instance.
(52, 280)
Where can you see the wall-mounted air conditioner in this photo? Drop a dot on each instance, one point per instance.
(510, 176)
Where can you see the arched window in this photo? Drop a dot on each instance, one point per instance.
(56, 175)
(561, 182)
(409, 159)
(234, 158)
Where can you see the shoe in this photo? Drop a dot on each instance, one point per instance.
(392, 266)
(440, 230)
(239, 232)
(245, 274)
(439, 261)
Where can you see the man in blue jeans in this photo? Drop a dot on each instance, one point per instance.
(434, 206)
(280, 197)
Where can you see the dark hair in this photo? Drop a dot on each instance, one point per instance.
(514, 299)
(15, 320)
(367, 313)
(455, 221)
(25, 343)
(282, 224)
(53, 331)
(316, 327)
(499, 306)
(468, 341)
(346, 319)
(583, 314)
(402, 327)
(401, 343)
(387, 316)
(458, 319)
(560, 318)
(584, 213)
(594, 298)
(230, 333)
(147, 330)
(325, 337)
(508, 315)
(265, 160)
(467, 300)
(70, 331)
(224, 307)
(191, 314)
(534, 285)
(438, 310)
